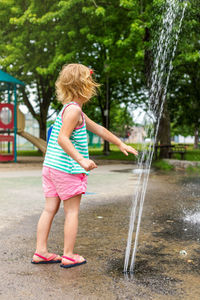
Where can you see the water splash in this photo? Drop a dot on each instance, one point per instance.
(162, 68)
(193, 218)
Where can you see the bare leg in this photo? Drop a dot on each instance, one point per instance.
(71, 209)
(44, 224)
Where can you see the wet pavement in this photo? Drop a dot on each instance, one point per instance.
(168, 256)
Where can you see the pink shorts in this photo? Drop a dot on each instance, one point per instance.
(57, 183)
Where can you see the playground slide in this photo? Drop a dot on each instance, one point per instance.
(39, 143)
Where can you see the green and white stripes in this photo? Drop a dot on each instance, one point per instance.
(56, 157)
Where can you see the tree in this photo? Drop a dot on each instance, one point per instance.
(184, 96)
(114, 38)
(27, 47)
(165, 44)
(106, 37)
(183, 91)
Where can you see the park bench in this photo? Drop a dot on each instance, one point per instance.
(171, 149)
(177, 149)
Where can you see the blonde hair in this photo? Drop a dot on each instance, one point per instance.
(74, 82)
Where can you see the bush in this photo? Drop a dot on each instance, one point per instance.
(162, 165)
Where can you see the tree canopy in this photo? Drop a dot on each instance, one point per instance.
(184, 91)
(114, 38)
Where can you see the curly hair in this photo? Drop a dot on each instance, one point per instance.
(75, 82)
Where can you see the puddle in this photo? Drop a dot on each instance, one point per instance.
(179, 229)
(145, 276)
(89, 193)
(122, 171)
(191, 185)
(132, 171)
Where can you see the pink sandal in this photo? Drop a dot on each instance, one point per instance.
(75, 262)
(49, 260)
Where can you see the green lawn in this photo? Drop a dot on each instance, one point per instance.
(28, 153)
(191, 154)
(116, 154)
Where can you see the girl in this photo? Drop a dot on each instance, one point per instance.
(67, 164)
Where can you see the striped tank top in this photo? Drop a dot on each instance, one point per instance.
(56, 157)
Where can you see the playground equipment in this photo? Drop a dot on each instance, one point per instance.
(94, 140)
(39, 143)
(12, 120)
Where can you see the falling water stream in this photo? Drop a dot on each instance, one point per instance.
(162, 67)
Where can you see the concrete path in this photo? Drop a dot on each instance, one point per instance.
(22, 195)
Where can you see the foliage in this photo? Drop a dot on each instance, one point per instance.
(184, 92)
(26, 48)
(162, 165)
(36, 41)
(116, 39)
(193, 170)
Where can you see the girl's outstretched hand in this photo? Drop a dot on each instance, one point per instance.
(87, 164)
(125, 149)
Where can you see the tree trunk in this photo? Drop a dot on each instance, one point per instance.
(106, 116)
(106, 121)
(164, 134)
(196, 138)
(43, 119)
(44, 98)
(148, 58)
(43, 128)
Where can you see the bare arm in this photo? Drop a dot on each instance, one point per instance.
(108, 136)
(70, 120)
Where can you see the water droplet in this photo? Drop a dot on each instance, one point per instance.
(183, 253)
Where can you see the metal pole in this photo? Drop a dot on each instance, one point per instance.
(15, 123)
(107, 113)
(9, 93)
(12, 116)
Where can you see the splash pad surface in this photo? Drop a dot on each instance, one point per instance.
(160, 271)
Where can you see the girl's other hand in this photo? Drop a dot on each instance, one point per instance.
(125, 149)
(87, 164)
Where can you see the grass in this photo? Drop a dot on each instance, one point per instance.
(162, 165)
(191, 153)
(116, 154)
(29, 153)
(193, 170)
